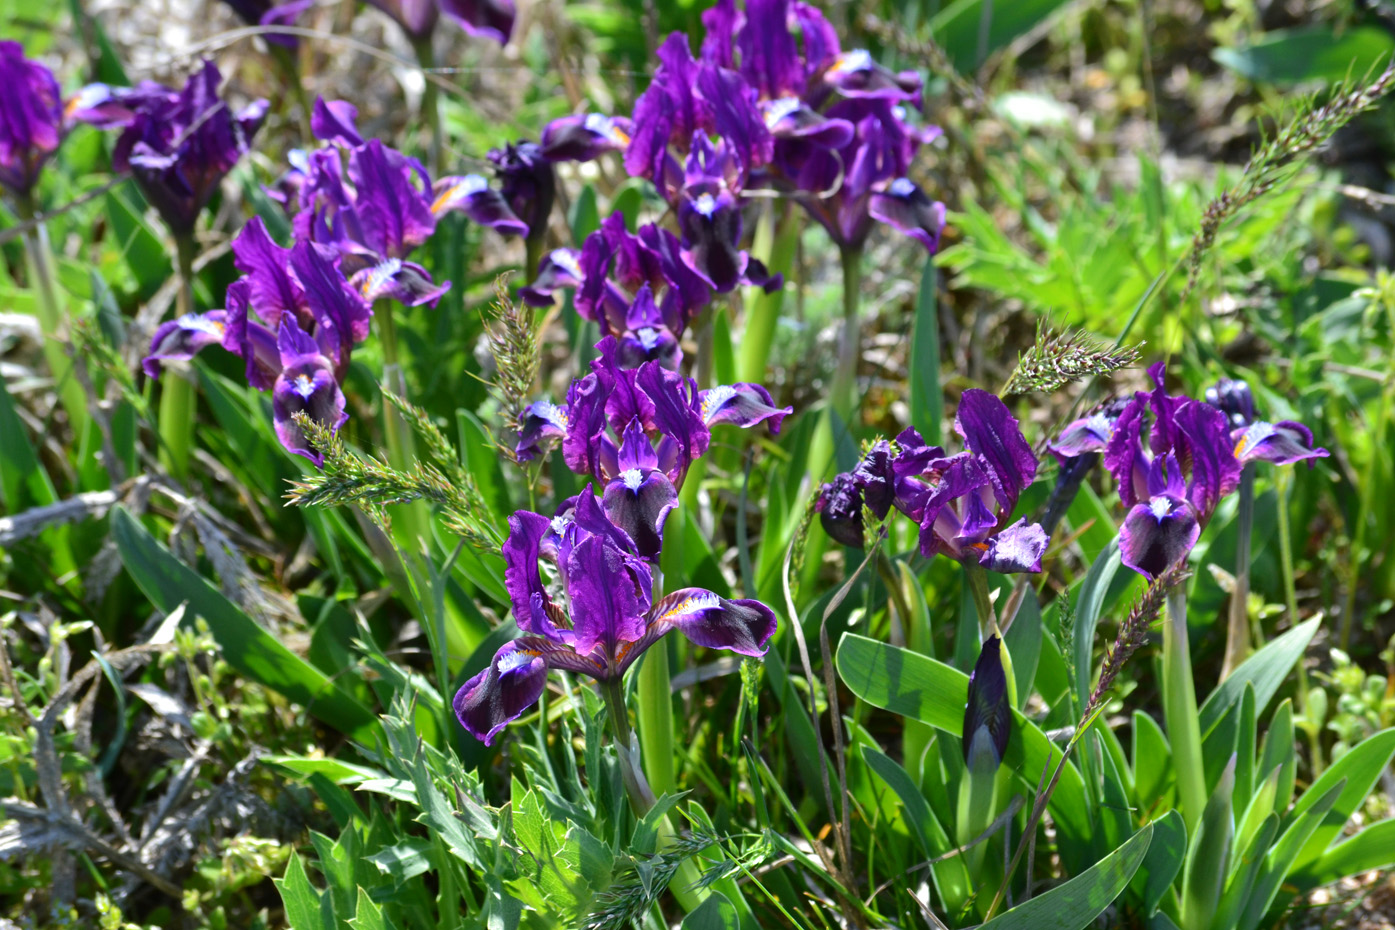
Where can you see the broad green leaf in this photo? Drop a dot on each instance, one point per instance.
(1075, 904)
(141, 247)
(919, 687)
(248, 648)
(367, 915)
(1023, 642)
(23, 483)
(1372, 848)
(715, 913)
(1359, 769)
(1311, 53)
(1089, 602)
(300, 898)
(1265, 670)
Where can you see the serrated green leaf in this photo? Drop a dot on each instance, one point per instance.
(301, 899)
(367, 916)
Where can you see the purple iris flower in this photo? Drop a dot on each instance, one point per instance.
(842, 139)
(472, 195)
(490, 19)
(609, 273)
(603, 620)
(962, 502)
(267, 13)
(666, 407)
(32, 119)
(584, 137)
(1170, 479)
(294, 320)
(179, 145)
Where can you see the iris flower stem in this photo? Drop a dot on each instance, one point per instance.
(178, 405)
(977, 579)
(1180, 711)
(39, 256)
(290, 75)
(430, 103)
(774, 245)
(849, 349)
(899, 611)
(1237, 641)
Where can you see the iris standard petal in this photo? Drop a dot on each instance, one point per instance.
(992, 433)
(606, 604)
(522, 577)
(334, 121)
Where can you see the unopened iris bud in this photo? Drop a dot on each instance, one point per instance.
(988, 714)
(840, 510)
(1233, 398)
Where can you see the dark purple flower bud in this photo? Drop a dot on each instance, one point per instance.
(334, 121)
(31, 118)
(584, 137)
(1233, 398)
(877, 478)
(180, 147)
(526, 182)
(988, 713)
(486, 19)
(306, 385)
(906, 207)
(840, 510)
(472, 195)
(743, 404)
(183, 337)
